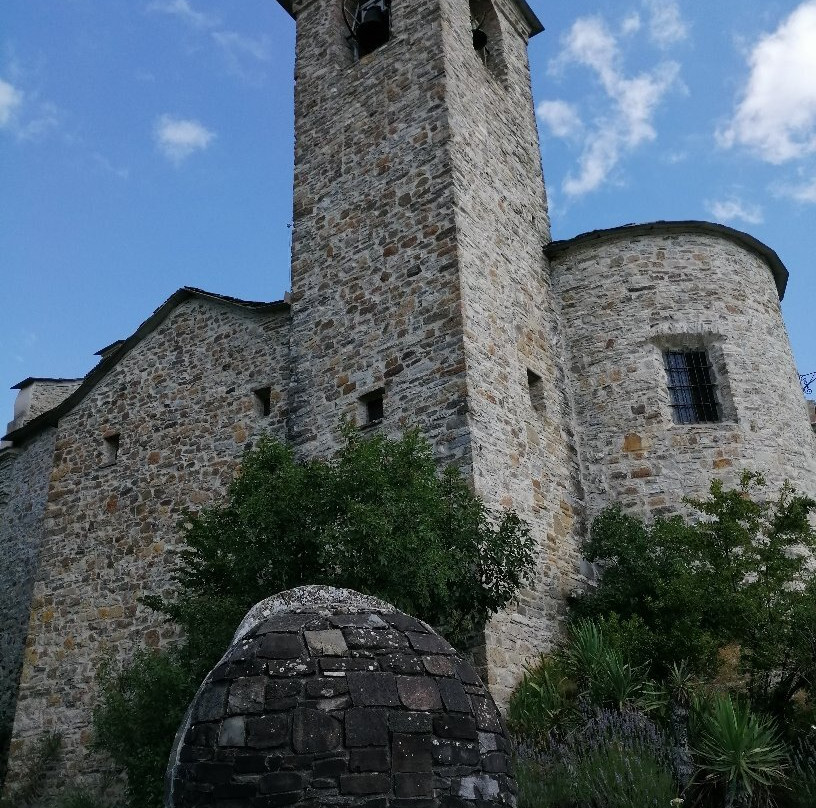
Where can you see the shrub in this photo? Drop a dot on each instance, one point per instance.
(737, 577)
(377, 518)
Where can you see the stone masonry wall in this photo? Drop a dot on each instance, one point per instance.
(523, 445)
(24, 475)
(627, 300)
(375, 286)
(39, 397)
(182, 404)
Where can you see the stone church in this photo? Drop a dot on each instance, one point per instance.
(629, 365)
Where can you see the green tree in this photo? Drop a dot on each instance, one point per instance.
(379, 518)
(738, 576)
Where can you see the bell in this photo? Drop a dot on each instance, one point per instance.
(373, 29)
(479, 39)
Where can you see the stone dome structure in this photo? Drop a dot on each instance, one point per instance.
(329, 697)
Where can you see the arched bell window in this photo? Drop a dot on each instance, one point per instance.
(369, 24)
(487, 36)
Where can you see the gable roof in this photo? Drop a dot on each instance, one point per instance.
(115, 353)
(556, 249)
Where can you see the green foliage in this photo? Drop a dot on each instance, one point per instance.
(35, 767)
(612, 759)
(377, 518)
(542, 702)
(735, 578)
(803, 775)
(739, 750)
(141, 707)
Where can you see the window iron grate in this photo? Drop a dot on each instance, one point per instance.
(691, 387)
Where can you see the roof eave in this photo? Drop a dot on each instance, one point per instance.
(779, 271)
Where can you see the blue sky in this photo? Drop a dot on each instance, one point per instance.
(147, 144)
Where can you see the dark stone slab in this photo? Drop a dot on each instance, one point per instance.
(342, 664)
(247, 695)
(410, 723)
(286, 622)
(280, 646)
(456, 753)
(211, 704)
(267, 732)
(373, 689)
(366, 727)
(438, 665)
(375, 639)
(402, 663)
(280, 782)
(413, 785)
(290, 667)
(370, 759)
(411, 753)
(456, 726)
(466, 673)
(327, 687)
(487, 716)
(404, 622)
(330, 767)
(315, 731)
(429, 643)
(282, 694)
(364, 620)
(419, 693)
(453, 696)
(365, 784)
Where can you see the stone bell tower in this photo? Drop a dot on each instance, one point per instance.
(420, 293)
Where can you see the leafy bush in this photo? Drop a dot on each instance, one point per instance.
(377, 518)
(33, 772)
(737, 577)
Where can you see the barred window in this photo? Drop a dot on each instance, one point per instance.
(691, 387)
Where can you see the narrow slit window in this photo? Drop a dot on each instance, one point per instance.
(372, 408)
(263, 400)
(535, 384)
(111, 449)
(692, 389)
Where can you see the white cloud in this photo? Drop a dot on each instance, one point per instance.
(10, 101)
(633, 102)
(734, 209)
(185, 12)
(632, 24)
(177, 138)
(666, 24)
(561, 118)
(776, 118)
(243, 54)
(800, 192)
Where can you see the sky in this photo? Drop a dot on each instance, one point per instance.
(147, 145)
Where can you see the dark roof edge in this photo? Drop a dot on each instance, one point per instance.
(107, 363)
(34, 379)
(529, 15)
(779, 271)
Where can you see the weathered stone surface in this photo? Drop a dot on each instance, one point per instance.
(404, 747)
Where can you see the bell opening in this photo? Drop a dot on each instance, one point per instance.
(479, 39)
(373, 26)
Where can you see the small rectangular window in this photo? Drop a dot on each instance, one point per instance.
(692, 389)
(372, 408)
(111, 448)
(535, 385)
(263, 400)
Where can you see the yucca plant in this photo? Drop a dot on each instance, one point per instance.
(541, 702)
(803, 774)
(739, 751)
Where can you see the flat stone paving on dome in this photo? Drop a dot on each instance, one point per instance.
(332, 703)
